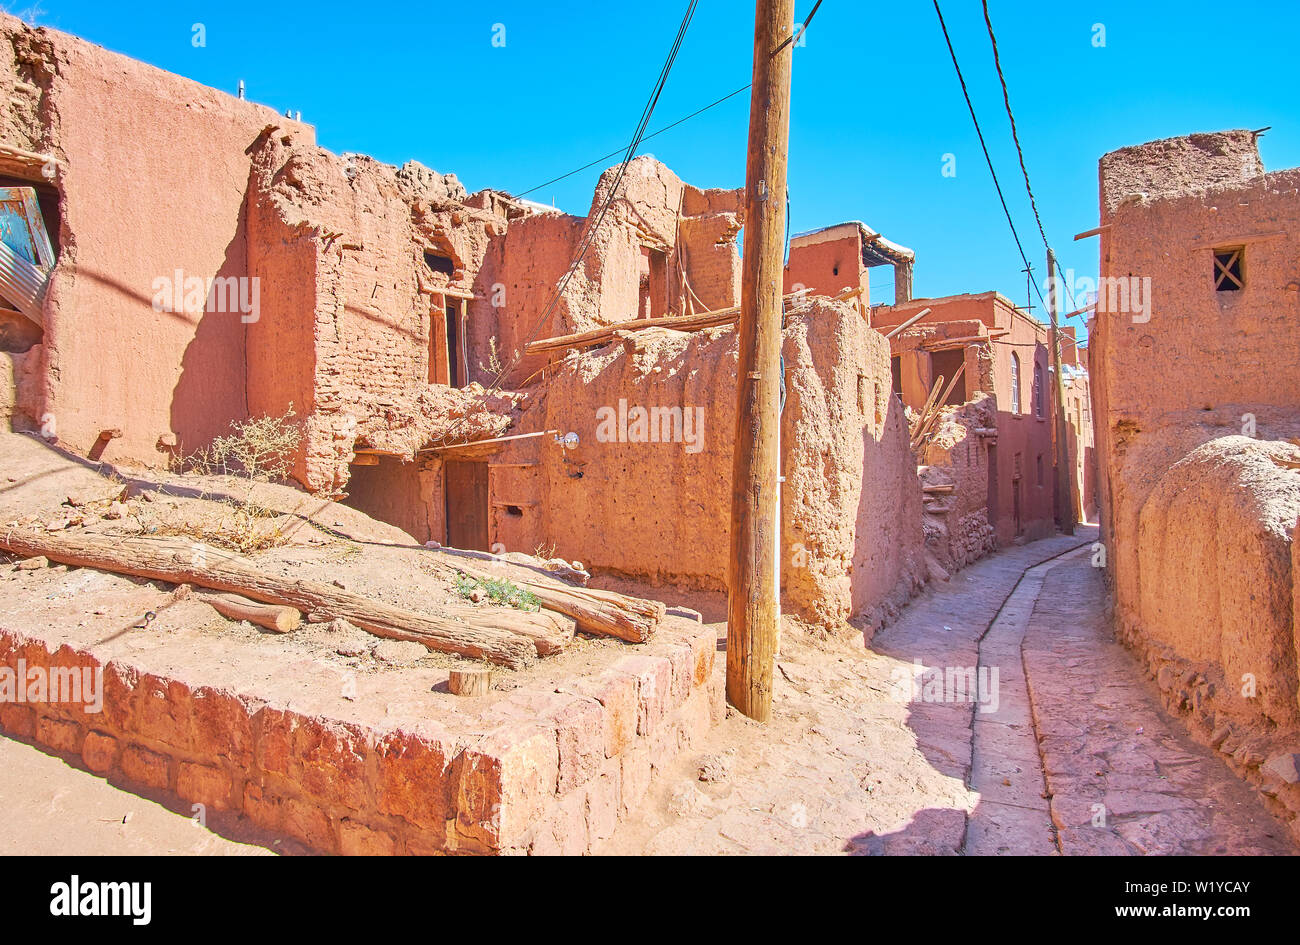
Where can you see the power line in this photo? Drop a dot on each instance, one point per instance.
(1024, 170)
(699, 111)
(590, 235)
(1006, 98)
(984, 146)
(606, 157)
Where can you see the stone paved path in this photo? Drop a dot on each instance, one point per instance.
(1124, 777)
(847, 766)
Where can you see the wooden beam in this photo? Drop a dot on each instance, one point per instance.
(495, 439)
(907, 324)
(1095, 231)
(939, 344)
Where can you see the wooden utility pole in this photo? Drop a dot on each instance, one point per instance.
(753, 577)
(1064, 470)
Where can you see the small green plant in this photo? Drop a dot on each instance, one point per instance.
(498, 590)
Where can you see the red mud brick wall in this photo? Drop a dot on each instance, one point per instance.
(360, 298)
(828, 266)
(850, 507)
(1192, 404)
(153, 181)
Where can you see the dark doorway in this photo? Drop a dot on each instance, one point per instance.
(947, 364)
(467, 504)
(1015, 502)
(896, 374)
(993, 487)
(453, 344)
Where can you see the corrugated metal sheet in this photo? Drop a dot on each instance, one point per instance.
(21, 283)
(26, 256)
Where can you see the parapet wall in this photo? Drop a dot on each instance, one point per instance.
(533, 770)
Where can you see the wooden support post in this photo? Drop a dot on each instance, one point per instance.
(753, 602)
(1064, 474)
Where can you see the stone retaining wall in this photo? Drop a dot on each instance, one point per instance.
(534, 771)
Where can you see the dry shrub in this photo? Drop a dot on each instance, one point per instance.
(261, 449)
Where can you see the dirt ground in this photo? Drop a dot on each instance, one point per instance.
(51, 808)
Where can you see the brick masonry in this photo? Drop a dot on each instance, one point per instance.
(535, 771)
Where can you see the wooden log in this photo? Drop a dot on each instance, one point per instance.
(469, 682)
(907, 324)
(273, 617)
(606, 613)
(550, 632)
(495, 637)
(924, 429)
(925, 410)
(605, 334)
(939, 344)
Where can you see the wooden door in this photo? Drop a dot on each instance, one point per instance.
(467, 504)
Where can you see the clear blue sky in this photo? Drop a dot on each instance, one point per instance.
(876, 103)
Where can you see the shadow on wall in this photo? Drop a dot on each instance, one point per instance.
(211, 392)
(884, 574)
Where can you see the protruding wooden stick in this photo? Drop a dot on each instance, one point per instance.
(274, 617)
(469, 682)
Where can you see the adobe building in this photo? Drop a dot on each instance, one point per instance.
(1000, 352)
(1195, 367)
(988, 466)
(833, 258)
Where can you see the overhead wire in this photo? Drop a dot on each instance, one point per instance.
(612, 194)
(1006, 210)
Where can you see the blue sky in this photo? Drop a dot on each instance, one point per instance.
(876, 104)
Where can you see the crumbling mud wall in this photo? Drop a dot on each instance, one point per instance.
(955, 465)
(1023, 507)
(652, 499)
(345, 334)
(663, 247)
(150, 172)
(1197, 391)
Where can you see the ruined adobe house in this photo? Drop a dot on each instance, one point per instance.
(101, 117)
(842, 256)
(1006, 455)
(385, 307)
(989, 467)
(1198, 387)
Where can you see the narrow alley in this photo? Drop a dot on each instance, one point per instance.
(1072, 754)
